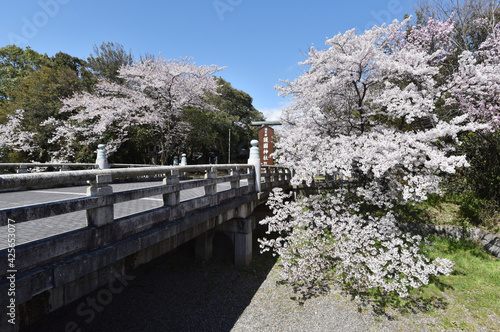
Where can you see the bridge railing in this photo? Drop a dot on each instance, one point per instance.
(101, 199)
(102, 226)
(273, 176)
(100, 196)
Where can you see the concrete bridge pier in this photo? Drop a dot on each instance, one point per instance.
(239, 231)
(204, 246)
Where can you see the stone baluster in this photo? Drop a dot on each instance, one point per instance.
(266, 185)
(254, 159)
(276, 177)
(22, 169)
(173, 198)
(211, 189)
(236, 183)
(104, 213)
(102, 160)
(281, 176)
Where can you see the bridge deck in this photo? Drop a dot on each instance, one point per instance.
(46, 227)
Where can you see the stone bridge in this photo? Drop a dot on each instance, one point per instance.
(120, 219)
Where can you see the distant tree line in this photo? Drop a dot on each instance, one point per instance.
(59, 108)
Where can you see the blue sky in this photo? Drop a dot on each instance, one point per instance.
(259, 41)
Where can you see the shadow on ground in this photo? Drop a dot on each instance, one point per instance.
(171, 293)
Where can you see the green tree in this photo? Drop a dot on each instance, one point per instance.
(40, 83)
(209, 132)
(79, 66)
(483, 176)
(15, 64)
(39, 96)
(108, 59)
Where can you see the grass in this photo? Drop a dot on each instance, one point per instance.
(470, 297)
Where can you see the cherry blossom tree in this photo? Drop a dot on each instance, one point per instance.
(151, 99)
(475, 87)
(365, 108)
(14, 137)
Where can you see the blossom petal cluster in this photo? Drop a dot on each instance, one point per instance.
(12, 135)
(475, 87)
(319, 237)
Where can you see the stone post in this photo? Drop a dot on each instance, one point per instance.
(102, 160)
(254, 160)
(211, 189)
(183, 163)
(104, 213)
(236, 183)
(172, 179)
(22, 169)
(183, 160)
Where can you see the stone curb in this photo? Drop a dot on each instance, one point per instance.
(489, 240)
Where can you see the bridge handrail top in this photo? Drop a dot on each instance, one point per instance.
(9, 181)
(71, 164)
(118, 165)
(46, 164)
